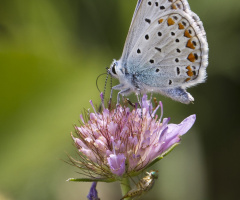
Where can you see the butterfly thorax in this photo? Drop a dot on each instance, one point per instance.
(128, 79)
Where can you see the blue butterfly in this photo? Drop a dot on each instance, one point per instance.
(166, 51)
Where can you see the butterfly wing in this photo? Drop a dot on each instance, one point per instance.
(171, 52)
(166, 49)
(146, 9)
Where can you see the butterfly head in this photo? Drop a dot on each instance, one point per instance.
(114, 69)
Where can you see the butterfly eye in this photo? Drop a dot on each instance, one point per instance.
(113, 69)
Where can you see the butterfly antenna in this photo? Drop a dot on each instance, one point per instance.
(97, 81)
(105, 85)
(104, 91)
(110, 100)
(102, 94)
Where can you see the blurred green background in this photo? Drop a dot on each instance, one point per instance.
(51, 52)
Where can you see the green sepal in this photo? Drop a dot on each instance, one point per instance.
(91, 180)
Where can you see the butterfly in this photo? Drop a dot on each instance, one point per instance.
(166, 51)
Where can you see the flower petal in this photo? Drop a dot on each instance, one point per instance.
(117, 163)
(173, 132)
(183, 127)
(93, 194)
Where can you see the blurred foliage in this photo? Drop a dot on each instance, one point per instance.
(51, 52)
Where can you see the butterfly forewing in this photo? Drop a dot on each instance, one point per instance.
(145, 12)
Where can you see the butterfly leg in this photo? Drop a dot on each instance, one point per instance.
(116, 87)
(178, 94)
(140, 101)
(123, 92)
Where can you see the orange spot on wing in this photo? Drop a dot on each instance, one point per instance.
(189, 72)
(180, 26)
(190, 44)
(160, 21)
(170, 21)
(173, 7)
(191, 57)
(187, 34)
(188, 79)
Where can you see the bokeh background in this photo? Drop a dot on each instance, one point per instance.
(51, 52)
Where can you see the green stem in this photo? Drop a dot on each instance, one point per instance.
(125, 186)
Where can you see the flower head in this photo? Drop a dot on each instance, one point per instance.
(121, 142)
